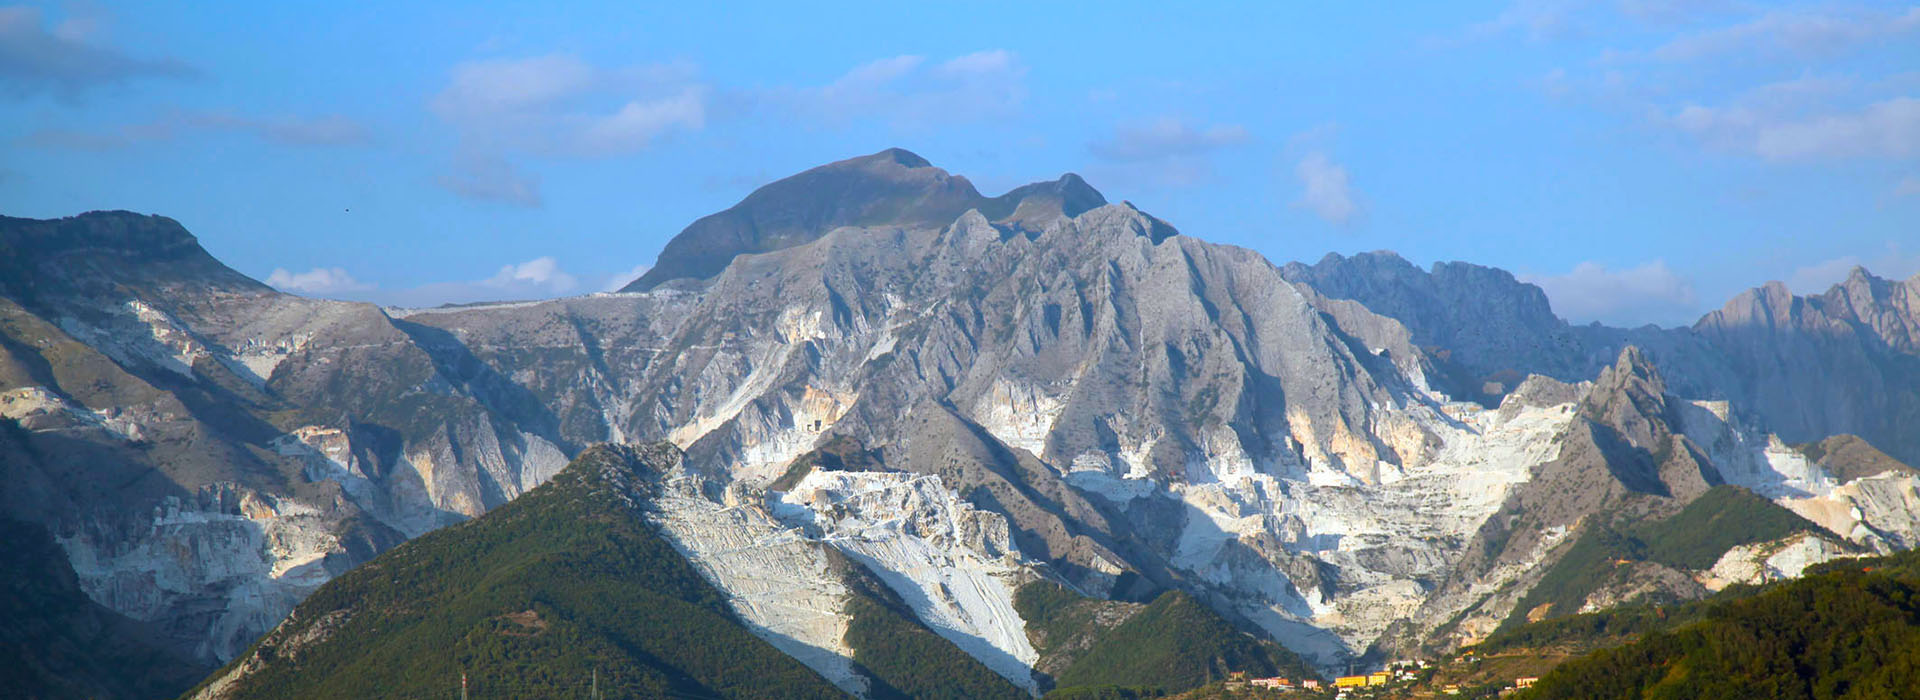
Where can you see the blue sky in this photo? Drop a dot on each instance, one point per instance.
(1642, 160)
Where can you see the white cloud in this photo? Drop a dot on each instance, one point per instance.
(615, 281)
(1649, 293)
(539, 278)
(1326, 190)
(907, 92)
(542, 272)
(1890, 262)
(557, 106)
(992, 63)
(1890, 128)
(319, 280)
(491, 88)
(638, 122)
(1818, 82)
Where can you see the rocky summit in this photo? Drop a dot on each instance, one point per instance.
(879, 405)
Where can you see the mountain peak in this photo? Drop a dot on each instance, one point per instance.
(1633, 380)
(892, 187)
(1634, 362)
(1032, 206)
(898, 156)
(116, 230)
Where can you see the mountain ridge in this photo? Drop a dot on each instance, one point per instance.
(891, 187)
(1077, 389)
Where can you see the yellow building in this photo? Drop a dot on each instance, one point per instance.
(1379, 678)
(1349, 681)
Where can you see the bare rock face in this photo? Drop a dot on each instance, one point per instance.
(1144, 410)
(1496, 329)
(207, 450)
(872, 362)
(1843, 362)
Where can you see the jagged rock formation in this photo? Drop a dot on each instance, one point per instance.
(1636, 453)
(1496, 329)
(1808, 359)
(871, 365)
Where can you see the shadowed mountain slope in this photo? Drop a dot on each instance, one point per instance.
(891, 188)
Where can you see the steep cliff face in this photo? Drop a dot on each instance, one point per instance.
(1494, 328)
(55, 642)
(208, 450)
(1843, 362)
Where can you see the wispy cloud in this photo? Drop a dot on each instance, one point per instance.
(1821, 82)
(1890, 262)
(491, 179)
(1325, 189)
(1888, 128)
(539, 278)
(910, 92)
(557, 106)
(560, 105)
(62, 61)
(330, 130)
(1673, 11)
(1537, 20)
(1166, 137)
(1802, 32)
(1648, 293)
(1168, 150)
(1908, 186)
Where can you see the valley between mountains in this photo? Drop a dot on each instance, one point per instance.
(872, 432)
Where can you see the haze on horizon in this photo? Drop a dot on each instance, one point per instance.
(1641, 160)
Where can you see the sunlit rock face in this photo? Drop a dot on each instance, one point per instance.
(209, 451)
(1353, 455)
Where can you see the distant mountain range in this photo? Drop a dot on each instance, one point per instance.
(887, 396)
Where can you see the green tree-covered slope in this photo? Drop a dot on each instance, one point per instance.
(1722, 518)
(1848, 629)
(1173, 644)
(531, 600)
